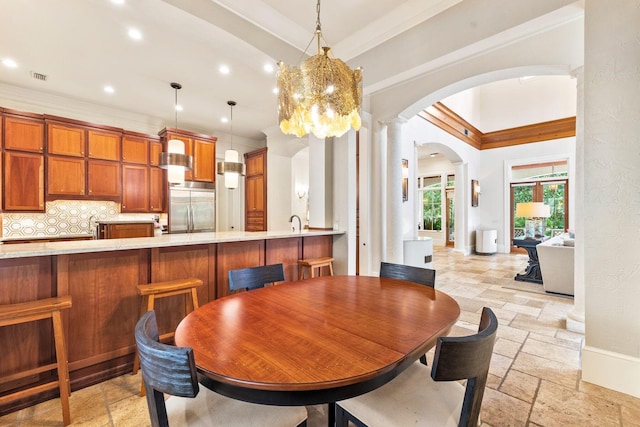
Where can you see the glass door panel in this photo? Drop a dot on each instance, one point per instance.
(450, 218)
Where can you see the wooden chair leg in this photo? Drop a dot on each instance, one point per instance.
(63, 369)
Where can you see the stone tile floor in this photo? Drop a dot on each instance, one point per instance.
(535, 369)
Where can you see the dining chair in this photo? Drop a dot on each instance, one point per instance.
(172, 370)
(412, 398)
(255, 277)
(423, 276)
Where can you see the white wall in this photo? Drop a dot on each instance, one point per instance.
(611, 355)
(300, 184)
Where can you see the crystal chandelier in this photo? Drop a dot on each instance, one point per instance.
(322, 96)
(232, 168)
(174, 159)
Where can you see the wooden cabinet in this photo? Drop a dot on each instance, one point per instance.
(65, 140)
(143, 183)
(23, 162)
(155, 149)
(65, 176)
(103, 145)
(135, 150)
(103, 179)
(23, 181)
(82, 161)
(125, 230)
(203, 150)
(23, 134)
(156, 190)
(256, 190)
(135, 190)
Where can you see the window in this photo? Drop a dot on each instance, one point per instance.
(431, 202)
(546, 183)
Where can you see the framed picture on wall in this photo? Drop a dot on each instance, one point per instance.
(475, 190)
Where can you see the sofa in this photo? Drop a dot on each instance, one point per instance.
(555, 256)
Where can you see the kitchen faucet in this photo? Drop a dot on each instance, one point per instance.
(293, 228)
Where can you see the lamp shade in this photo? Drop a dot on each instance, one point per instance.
(533, 210)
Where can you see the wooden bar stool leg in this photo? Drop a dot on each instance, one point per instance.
(63, 369)
(311, 269)
(331, 269)
(194, 299)
(136, 358)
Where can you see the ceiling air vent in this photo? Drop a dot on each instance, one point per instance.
(39, 76)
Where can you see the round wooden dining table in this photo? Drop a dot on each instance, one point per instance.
(314, 341)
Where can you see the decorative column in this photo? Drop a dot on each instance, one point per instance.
(575, 318)
(394, 191)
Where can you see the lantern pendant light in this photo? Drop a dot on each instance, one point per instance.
(231, 167)
(174, 160)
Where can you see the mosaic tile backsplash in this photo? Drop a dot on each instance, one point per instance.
(64, 217)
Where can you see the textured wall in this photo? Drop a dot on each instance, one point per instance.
(612, 193)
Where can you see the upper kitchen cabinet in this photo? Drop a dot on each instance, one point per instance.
(201, 147)
(255, 192)
(23, 182)
(23, 162)
(83, 160)
(23, 133)
(135, 150)
(155, 149)
(103, 145)
(65, 140)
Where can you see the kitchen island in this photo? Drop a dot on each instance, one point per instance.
(101, 277)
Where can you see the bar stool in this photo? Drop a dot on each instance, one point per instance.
(152, 291)
(13, 314)
(312, 264)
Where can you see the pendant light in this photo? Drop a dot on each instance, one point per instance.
(174, 160)
(322, 96)
(231, 167)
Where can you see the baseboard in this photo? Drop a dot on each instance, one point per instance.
(615, 371)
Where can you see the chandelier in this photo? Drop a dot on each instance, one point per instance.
(322, 96)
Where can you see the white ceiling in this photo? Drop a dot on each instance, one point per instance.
(82, 45)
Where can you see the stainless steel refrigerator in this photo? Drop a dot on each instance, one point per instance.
(192, 207)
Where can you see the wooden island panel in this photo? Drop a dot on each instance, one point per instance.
(287, 252)
(106, 307)
(182, 262)
(233, 256)
(27, 345)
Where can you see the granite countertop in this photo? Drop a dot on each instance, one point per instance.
(23, 250)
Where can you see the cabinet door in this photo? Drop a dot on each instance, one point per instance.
(124, 231)
(135, 188)
(204, 167)
(104, 145)
(255, 193)
(65, 176)
(135, 150)
(155, 148)
(103, 178)
(24, 135)
(65, 140)
(255, 165)
(156, 190)
(25, 173)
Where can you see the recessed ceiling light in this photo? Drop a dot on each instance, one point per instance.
(118, 2)
(224, 120)
(109, 89)
(135, 34)
(179, 107)
(268, 68)
(433, 154)
(9, 63)
(275, 90)
(224, 69)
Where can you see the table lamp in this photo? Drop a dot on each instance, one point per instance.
(535, 213)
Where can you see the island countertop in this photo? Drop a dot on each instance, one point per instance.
(23, 250)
